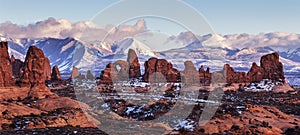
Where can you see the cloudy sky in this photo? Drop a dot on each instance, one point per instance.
(224, 16)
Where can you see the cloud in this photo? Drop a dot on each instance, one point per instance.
(62, 28)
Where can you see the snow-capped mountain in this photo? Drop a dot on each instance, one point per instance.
(65, 53)
(138, 46)
(210, 50)
(214, 40)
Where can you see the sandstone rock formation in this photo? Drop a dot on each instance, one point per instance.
(55, 76)
(255, 74)
(270, 68)
(34, 73)
(47, 70)
(16, 67)
(122, 70)
(134, 65)
(76, 74)
(190, 74)
(117, 71)
(205, 76)
(5, 66)
(159, 70)
(273, 69)
(106, 75)
(232, 76)
(89, 75)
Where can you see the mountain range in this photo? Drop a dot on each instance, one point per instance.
(211, 50)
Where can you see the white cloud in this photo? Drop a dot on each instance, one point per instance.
(62, 28)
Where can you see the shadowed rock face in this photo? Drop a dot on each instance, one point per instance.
(5, 66)
(16, 67)
(160, 70)
(134, 65)
(55, 76)
(273, 69)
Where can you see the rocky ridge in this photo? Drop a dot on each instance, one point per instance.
(160, 70)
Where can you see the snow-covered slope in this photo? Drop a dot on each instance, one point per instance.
(214, 40)
(65, 53)
(138, 46)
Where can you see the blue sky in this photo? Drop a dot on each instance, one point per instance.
(225, 16)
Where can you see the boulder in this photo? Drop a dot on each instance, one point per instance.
(134, 65)
(5, 66)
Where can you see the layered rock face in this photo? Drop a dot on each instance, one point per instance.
(34, 73)
(55, 76)
(134, 65)
(160, 70)
(16, 67)
(5, 66)
(190, 74)
(232, 76)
